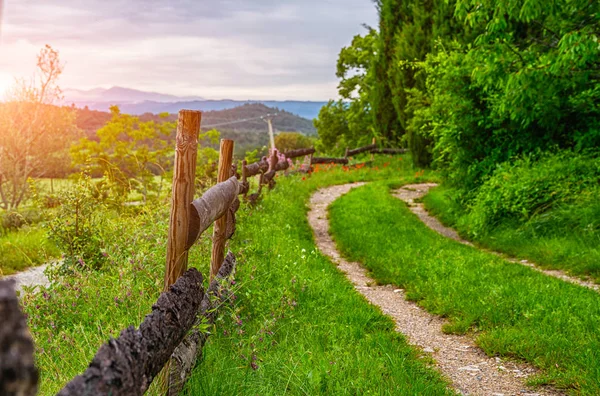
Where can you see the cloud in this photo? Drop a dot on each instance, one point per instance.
(232, 48)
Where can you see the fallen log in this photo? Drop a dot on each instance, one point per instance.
(18, 374)
(321, 160)
(361, 150)
(189, 351)
(389, 151)
(128, 364)
(256, 168)
(210, 207)
(299, 152)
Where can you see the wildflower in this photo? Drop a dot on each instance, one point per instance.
(254, 366)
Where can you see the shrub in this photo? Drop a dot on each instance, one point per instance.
(77, 227)
(528, 187)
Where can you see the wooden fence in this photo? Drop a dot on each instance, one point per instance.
(169, 340)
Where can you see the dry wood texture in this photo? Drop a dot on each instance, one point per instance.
(184, 174)
(361, 150)
(299, 152)
(18, 375)
(212, 205)
(127, 365)
(322, 160)
(220, 230)
(256, 168)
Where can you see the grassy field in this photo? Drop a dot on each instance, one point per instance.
(25, 248)
(297, 325)
(511, 310)
(550, 240)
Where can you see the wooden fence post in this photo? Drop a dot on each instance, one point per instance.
(182, 195)
(374, 141)
(184, 177)
(346, 154)
(220, 229)
(245, 176)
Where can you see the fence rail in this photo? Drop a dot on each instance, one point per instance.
(169, 340)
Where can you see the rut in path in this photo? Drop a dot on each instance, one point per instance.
(31, 277)
(409, 193)
(469, 369)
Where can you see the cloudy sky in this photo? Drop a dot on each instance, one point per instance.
(238, 49)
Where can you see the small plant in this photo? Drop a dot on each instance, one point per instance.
(77, 227)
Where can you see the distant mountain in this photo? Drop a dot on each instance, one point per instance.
(136, 102)
(118, 95)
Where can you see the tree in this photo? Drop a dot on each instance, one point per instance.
(32, 128)
(128, 153)
(286, 141)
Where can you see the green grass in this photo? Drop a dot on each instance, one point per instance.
(299, 320)
(558, 239)
(308, 329)
(25, 248)
(510, 309)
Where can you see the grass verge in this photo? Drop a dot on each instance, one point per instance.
(25, 248)
(297, 325)
(550, 240)
(510, 309)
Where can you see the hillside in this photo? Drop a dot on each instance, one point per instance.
(224, 120)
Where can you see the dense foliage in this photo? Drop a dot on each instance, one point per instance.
(470, 86)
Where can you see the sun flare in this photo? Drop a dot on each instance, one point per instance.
(6, 81)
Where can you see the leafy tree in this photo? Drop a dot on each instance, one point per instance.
(348, 122)
(128, 153)
(332, 125)
(286, 141)
(31, 129)
(528, 83)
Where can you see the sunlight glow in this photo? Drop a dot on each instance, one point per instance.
(6, 81)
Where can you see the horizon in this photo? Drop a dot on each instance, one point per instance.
(239, 51)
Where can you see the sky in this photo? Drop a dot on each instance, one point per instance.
(234, 49)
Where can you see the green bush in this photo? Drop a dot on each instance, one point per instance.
(76, 227)
(528, 187)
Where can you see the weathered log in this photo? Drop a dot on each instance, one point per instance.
(18, 375)
(244, 188)
(256, 168)
(189, 351)
(361, 150)
(299, 152)
(127, 365)
(270, 175)
(211, 206)
(231, 221)
(389, 151)
(321, 160)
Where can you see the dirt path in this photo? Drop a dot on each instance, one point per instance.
(470, 371)
(409, 193)
(31, 277)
